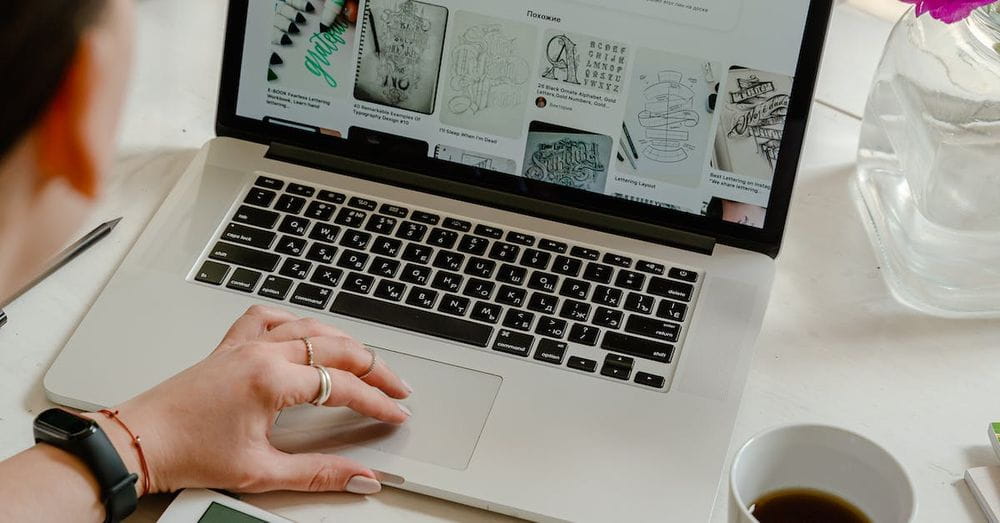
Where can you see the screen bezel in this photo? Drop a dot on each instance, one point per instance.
(766, 240)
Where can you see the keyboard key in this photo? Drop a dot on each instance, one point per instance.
(575, 310)
(551, 351)
(417, 253)
(416, 320)
(566, 265)
(362, 203)
(486, 312)
(488, 232)
(598, 272)
(390, 290)
(275, 287)
(423, 298)
(447, 281)
(290, 204)
(653, 328)
(269, 183)
(297, 269)
(683, 274)
(294, 225)
(415, 274)
(518, 319)
(536, 259)
(610, 318)
(618, 367)
(480, 267)
(639, 303)
(650, 380)
(543, 281)
(630, 280)
(584, 334)
(291, 246)
(674, 290)
(585, 253)
(355, 239)
(618, 260)
(604, 295)
(254, 216)
(248, 236)
(512, 296)
(551, 327)
(457, 225)
(300, 190)
(553, 246)
(332, 197)
(513, 343)
(575, 289)
(260, 197)
(311, 296)
(544, 303)
(578, 363)
(245, 256)
(511, 274)
(473, 245)
(387, 246)
(456, 305)
(477, 288)
(394, 210)
(359, 283)
(448, 260)
(412, 231)
(384, 267)
(442, 238)
(326, 275)
(671, 310)
(353, 260)
(650, 267)
(350, 217)
(381, 224)
(324, 232)
(425, 217)
(213, 273)
(521, 239)
(638, 347)
(320, 211)
(504, 252)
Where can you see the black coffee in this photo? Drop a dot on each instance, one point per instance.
(800, 505)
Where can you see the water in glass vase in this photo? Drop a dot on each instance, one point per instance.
(929, 164)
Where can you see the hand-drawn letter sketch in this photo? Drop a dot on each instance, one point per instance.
(585, 61)
(567, 157)
(475, 159)
(753, 106)
(400, 57)
(312, 60)
(486, 89)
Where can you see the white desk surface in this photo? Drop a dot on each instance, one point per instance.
(835, 347)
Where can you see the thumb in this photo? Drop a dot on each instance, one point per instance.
(322, 473)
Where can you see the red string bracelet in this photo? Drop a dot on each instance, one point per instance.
(137, 443)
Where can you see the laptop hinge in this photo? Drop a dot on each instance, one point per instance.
(491, 198)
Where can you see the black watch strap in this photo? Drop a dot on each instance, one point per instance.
(94, 448)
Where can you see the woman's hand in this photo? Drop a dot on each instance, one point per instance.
(208, 426)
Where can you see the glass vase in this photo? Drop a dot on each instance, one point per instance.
(929, 164)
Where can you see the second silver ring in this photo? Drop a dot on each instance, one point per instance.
(325, 385)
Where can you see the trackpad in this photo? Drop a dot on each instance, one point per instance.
(450, 405)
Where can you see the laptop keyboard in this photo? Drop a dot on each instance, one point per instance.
(543, 300)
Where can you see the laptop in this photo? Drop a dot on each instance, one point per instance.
(557, 219)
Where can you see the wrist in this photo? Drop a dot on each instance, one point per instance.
(126, 448)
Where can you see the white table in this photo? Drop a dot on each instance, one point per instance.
(835, 347)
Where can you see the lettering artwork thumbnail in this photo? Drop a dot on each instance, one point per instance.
(568, 157)
(753, 107)
(307, 54)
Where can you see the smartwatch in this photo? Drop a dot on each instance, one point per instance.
(84, 438)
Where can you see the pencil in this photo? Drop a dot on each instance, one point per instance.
(627, 155)
(631, 144)
(371, 22)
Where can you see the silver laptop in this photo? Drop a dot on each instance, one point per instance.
(555, 218)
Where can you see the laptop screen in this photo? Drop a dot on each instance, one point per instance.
(678, 105)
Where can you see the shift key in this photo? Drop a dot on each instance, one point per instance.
(638, 347)
(245, 256)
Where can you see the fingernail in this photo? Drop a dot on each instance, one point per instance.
(363, 485)
(406, 386)
(405, 410)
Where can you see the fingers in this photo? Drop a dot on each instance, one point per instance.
(348, 354)
(303, 328)
(321, 473)
(255, 322)
(346, 390)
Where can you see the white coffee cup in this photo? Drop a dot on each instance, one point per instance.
(824, 458)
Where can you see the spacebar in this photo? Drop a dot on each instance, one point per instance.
(424, 322)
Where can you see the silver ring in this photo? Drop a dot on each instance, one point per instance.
(325, 385)
(371, 366)
(309, 352)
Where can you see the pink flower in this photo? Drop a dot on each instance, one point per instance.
(949, 11)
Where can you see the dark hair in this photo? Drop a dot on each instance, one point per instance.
(38, 40)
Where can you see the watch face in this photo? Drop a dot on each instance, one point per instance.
(60, 423)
